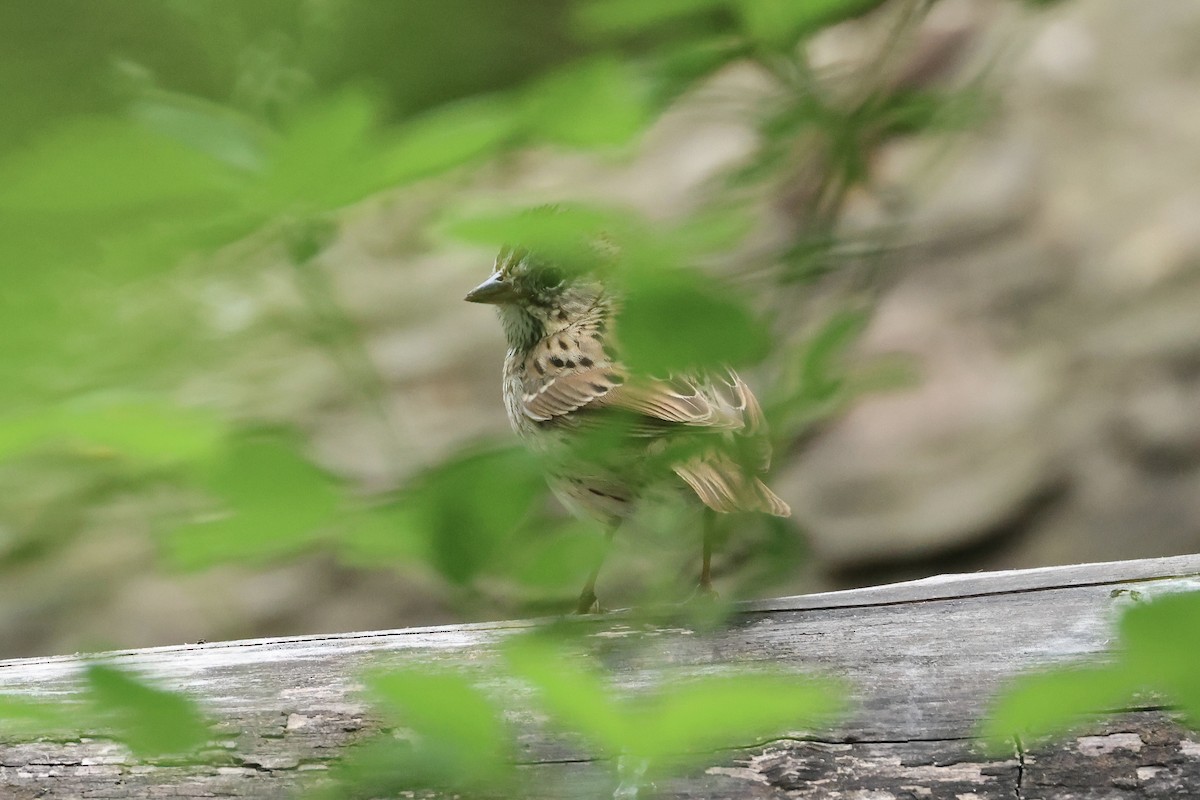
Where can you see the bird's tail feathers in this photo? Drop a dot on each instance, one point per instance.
(723, 487)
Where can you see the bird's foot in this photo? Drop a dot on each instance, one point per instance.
(588, 604)
(703, 593)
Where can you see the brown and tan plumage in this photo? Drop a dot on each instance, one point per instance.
(563, 378)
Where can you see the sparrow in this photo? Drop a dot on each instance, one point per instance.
(608, 435)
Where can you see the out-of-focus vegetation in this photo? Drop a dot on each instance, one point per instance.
(458, 741)
(173, 130)
(141, 139)
(1156, 658)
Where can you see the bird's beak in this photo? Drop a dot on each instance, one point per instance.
(494, 290)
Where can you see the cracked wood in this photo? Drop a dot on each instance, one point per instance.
(922, 659)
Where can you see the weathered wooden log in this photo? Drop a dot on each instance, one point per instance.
(922, 659)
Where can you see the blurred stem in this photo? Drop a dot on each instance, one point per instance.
(337, 331)
(875, 85)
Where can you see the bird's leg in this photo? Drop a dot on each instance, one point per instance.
(587, 598)
(709, 525)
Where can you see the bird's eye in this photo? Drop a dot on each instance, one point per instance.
(548, 277)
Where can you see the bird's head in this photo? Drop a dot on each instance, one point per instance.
(535, 296)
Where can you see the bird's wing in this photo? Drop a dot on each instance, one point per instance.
(567, 372)
(569, 378)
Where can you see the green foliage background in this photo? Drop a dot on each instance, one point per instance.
(179, 141)
(141, 139)
(160, 140)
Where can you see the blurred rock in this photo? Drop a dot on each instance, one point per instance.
(910, 472)
(1049, 300)
(1063, 53)
(1156, 422)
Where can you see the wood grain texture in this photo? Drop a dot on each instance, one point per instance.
(922, 660)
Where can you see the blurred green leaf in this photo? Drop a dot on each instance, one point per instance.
(677, 67)
(470, 507)
(1159, 641)
(821, 380)
(274, 504)
(820, 374)
(630, 16)
(676, 320)
(447, 137)
(220, 132)
(381, 766)
(459, 737)
(1052, 702)
(574, 236)
(385, 535)
(108, 166)
(305, 238)
(144, 431)
(572, 693)
(602, 102)
(559, 560)
(23, 718)
(1162, 640)
(599, 238)
(322, 158)
(151, 721)
(664, 726)
(915, 110)
(780, 23)
(334, 152)
(712, 231)
(728, 711)
(671, 318)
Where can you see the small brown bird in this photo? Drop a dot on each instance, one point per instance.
(564, 384)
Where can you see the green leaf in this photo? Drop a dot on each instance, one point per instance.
(24, 718)
(915, 110)
(781, 23)
(573, 694)
(713, 231)
(144, 431)
(699, 715)
(557, 561)
(150, 721)
(460, 739)
(1162, 639)
(109, 166)
(322, 159)
(820, 375)
(307, 237)
(677, 67)
(220, 132)
(631, 16)
(1052, 702)
(602, 102)
(568, 234)
(383, 536)
(275, 503)
(729, 711)
(671, 318)
(471, 505)
(676, 320)
(447, 137)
